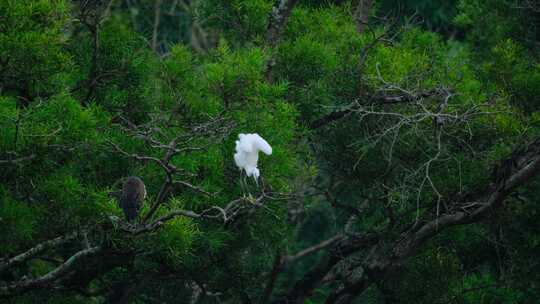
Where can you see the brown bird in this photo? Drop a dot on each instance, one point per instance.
(133, 195)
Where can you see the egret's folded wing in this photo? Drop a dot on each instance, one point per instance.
(239, 159)
(262, 144)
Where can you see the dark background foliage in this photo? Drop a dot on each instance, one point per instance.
(386, 118)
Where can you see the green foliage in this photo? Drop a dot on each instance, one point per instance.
(76, 119)
(234, 73)
(436, 15)
(123, 76)
(19, 220)
(241, 21)
(176, 240)
(489, 22)
(34, 61)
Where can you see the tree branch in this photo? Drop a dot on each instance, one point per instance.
(32, 252)
(528, 165)
(380, 98)
(278, 19)
(15, 161)
(49, 278)
(276, 269)
(184, 142)
(313, 249)
(339, 250)
(524, 165)
(224, 215)
(361, 15)
(155, 31)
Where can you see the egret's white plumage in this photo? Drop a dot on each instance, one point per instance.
(247, 153)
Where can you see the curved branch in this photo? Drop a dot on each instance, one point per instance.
(521, 166)
(313, 249)
(339, 250)
(382, 259)
(32, 252)
(49, 278)
(528, 166)
(224, 215)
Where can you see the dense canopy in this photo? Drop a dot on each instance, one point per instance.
(405, 141)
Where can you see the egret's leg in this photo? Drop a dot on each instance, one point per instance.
(246, 183)
(243, 182)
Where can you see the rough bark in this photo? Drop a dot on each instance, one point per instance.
(361, 15)
(278, 19)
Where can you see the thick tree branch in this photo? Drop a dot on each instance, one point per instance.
(521, 166)
(50, 277)
(361, 15)
(526, 164)
(17, 160)
(91, 16)
(278, 20)
(276, 269)
(155, 31)
(340, 249)
(32, 252)
(281, 261)
(380, 259)
(313, 249)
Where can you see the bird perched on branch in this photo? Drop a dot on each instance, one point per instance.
(133, 195)
(247, 153)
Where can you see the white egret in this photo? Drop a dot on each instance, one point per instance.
(247, 153)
